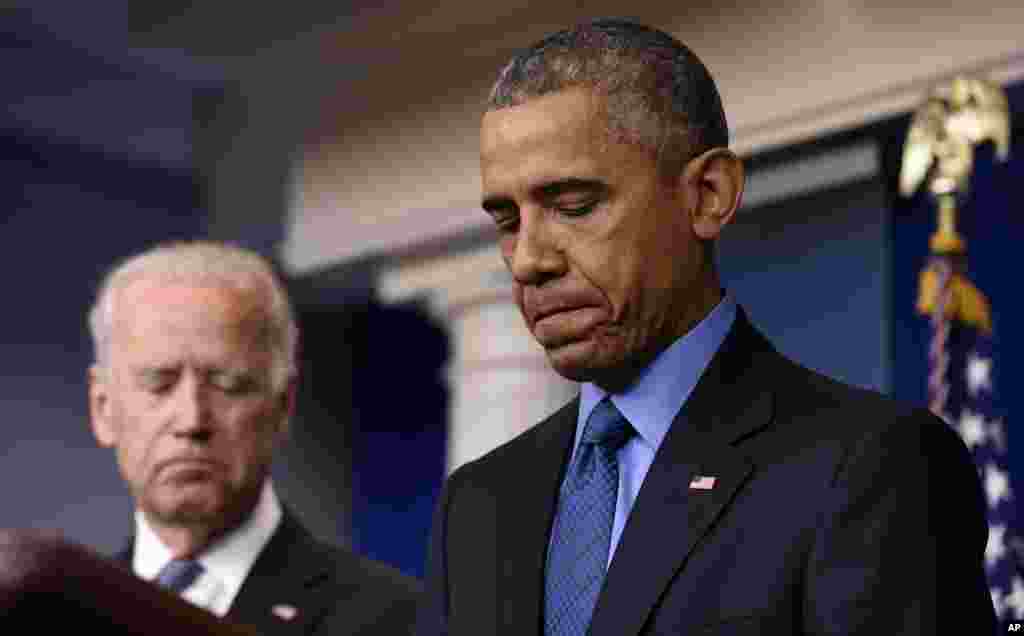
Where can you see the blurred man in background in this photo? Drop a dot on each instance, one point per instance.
(701, 483)
(193, 387)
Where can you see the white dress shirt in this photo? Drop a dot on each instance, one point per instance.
(226, 561)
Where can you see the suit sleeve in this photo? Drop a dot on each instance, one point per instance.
(900, 547)
(433, 615)
(378, 601)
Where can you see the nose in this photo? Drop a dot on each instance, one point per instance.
(192, 413)
(532, 254)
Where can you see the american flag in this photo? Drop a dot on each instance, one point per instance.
(963, 390)
(702, 482)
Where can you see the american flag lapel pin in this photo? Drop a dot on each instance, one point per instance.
(284, 612)
(702, 482)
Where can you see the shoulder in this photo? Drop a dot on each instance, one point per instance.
(368, 595)
(375, 578)
(862, 422)
(802, 393)
(548, 436)
(353, 575)
(360, 576)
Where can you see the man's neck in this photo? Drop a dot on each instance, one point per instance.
(184, 542)
(188, 540)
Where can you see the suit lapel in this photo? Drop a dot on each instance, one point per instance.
(280, 594)
(668, 518)
(525, 513)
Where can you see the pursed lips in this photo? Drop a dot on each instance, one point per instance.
(539, 306)
(186, 463)
(556, 326)
(556, 316)
(560, 311)
(547, 312)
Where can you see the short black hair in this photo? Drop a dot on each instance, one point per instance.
(638, 69)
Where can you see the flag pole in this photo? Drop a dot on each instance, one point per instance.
(939, 152)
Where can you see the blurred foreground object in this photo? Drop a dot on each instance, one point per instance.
(48, 581)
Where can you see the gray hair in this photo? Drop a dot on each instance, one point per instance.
(658, 92)
(230, 265)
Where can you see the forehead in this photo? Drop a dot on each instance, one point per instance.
(572, 119)
(562, 134)
(565, 113)
(153, 315)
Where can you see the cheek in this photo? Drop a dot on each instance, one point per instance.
(134, 440)
(609, 272)
(250, 433)
(136, 458)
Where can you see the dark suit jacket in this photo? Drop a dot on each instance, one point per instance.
(335, 591)
(834, 511)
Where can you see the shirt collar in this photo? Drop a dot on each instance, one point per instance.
(229, 558)
(653, 401)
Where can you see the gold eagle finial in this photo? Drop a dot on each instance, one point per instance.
(945, 129)
(940, 150)
(940, 146)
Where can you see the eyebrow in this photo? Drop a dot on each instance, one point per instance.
(171, 369)
(571, 184)
(156, 369)
(548, 190)
(154, 373)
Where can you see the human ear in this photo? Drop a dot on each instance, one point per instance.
(286, 402)
(717, 179)
(100, 417)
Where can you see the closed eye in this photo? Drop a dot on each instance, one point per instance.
(503, 212)
(573, 196)
(157, 381)
(233, 383)
(576, 208)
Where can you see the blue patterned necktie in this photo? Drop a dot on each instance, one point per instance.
(582, 530)
(178, 574)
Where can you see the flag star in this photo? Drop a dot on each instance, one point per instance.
(997, 601)
(997, 485)
(979, 374)
(1015, 600)
(973, 429)
(995, 549)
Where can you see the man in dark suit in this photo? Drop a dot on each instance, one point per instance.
(701, 483)
(193, 388)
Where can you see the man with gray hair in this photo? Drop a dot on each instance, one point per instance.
(193, 387)
(701, 483)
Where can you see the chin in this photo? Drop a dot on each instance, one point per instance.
(570, 372)
(585, 361)
(577, 361)
(191, 507)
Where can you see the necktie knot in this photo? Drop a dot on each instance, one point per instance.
(607, 427)
(178, 574)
